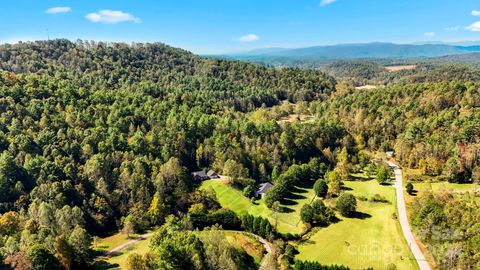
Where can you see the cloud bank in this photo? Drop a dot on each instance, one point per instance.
(111, 17)
(58, 10)
(249, 38)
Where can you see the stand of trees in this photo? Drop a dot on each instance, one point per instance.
(448, 225)
(431, 126)
(95, 137)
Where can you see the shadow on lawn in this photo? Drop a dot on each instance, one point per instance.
(360, 215)
(104, 265)
(298, 190)
(294, 196)
(287, 210)
(306, 184)
(359, 178)
(414, 193)
(288, 202)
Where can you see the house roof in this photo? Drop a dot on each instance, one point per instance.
(201, 173)
(264, 188)
(211, 172)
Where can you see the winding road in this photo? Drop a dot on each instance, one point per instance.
(402, 215)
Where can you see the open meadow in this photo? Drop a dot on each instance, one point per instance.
(372, 239)
(288, 221)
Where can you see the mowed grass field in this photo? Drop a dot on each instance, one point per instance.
(288, 221)
(252, 246)
(423, 187)
(372, 240)
(118, 261)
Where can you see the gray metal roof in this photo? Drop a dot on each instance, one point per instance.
(264, 187)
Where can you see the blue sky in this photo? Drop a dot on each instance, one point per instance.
(217, 26)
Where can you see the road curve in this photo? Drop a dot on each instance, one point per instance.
(402, 216)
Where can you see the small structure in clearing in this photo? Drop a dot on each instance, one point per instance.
(295, 117)
(204, 175)
(366, 87)
(262, 190)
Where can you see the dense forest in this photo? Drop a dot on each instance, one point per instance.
(431, 126)
(95, 136)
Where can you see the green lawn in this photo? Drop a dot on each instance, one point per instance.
(107, 243)
(375, 240)
(288, 221)
(140, 247)
(443, 186)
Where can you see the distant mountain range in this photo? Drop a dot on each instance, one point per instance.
(358, 51)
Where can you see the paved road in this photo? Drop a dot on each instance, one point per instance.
(402, 215)
(127, 244)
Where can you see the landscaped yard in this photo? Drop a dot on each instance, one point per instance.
(374, 239)
(288, 221)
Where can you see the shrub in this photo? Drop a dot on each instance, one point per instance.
(321, 188)
(347, 204)
(410, 188)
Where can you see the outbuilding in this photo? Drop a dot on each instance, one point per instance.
(262, 190)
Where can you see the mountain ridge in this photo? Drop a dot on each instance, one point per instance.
(358, 51)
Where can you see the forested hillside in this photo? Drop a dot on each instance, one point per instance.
(94, 136)
(432, 126)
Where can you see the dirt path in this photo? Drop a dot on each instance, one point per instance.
(127, 244)
(267, 245)
(402, 216)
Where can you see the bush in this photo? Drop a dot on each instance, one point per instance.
(347, 204)
(383, 175)
(321, 188)
(410, 188)
(378, 198)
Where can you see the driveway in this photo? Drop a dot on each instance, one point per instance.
(402, 216)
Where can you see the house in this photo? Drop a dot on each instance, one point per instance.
(204, 175)
(262, 190)
(212, 174)
(200, 176)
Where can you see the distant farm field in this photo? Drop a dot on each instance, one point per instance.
(288, 221)
(400, 67)
(372, 240)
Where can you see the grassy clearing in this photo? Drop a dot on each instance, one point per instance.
(118, 261)
(140, 247)
(400, 67)
(372, 240)
(288, 221)
(110, 242)
(444, 186)
(294, 118)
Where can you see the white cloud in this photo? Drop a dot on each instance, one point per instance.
(58, 10)
(474, 27)
(111, 17)
(475, 13)
(453, 28)
(249, 38)
(326, 2)
(429, 34)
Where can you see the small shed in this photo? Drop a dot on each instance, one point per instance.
(262, 190)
